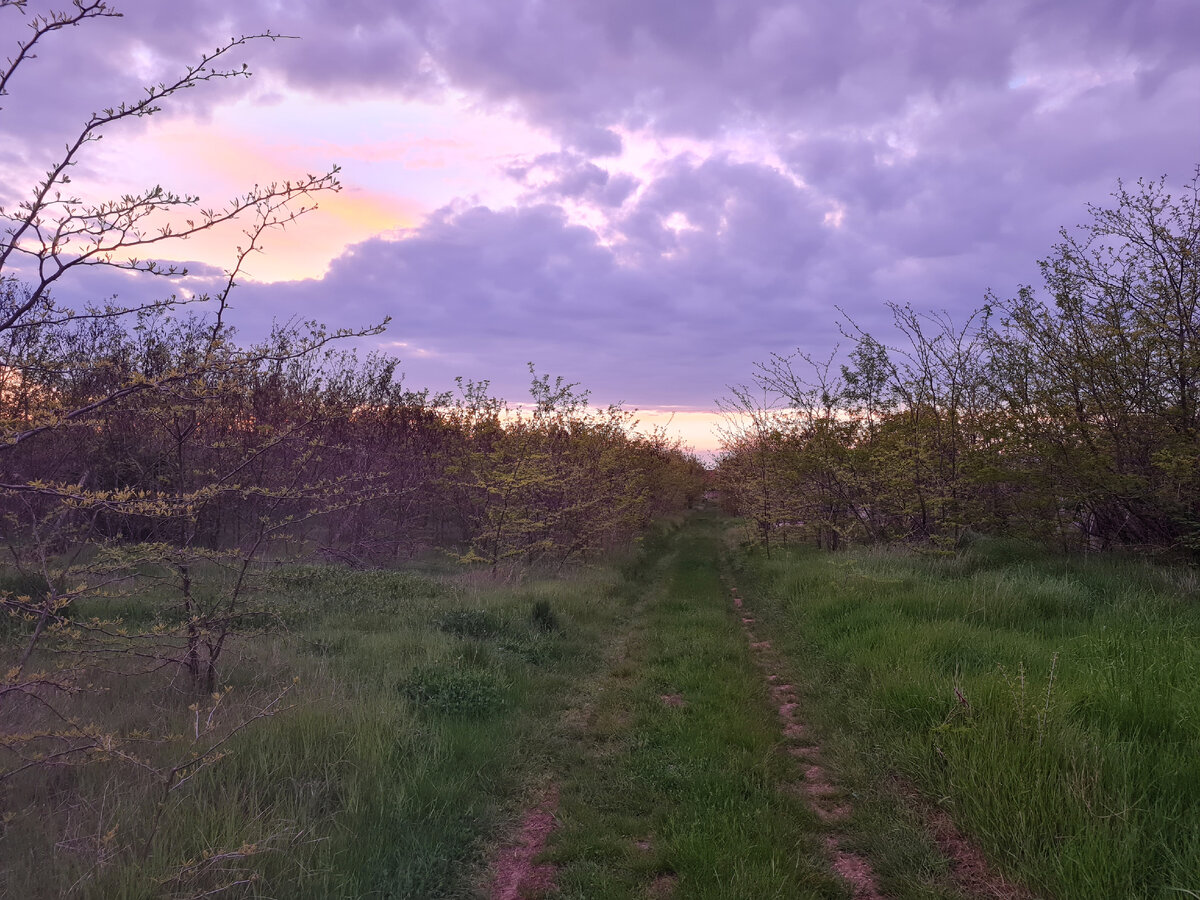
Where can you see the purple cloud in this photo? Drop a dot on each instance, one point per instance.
(658, 315)
(843, 154)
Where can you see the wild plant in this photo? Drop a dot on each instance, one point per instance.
(1031, 718)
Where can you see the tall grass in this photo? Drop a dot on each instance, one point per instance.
(414, 732)
(1051, 704)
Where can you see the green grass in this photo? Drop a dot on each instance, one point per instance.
(1052, 705)
(417, 732)
(691, 792)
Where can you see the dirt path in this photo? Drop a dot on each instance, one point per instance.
(823, 797)
(670, 782)
(515, 872)
(667, 775)
(969, 871)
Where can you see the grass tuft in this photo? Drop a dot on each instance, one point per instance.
(542, 616)
(472, 623)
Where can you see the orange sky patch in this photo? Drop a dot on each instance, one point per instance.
(306, 247)
(695, 427)
(188, 156)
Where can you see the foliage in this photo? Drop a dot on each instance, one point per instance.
(1072, 420)
(455, 690)
(123, 430)
(155, 471)
(558, 481)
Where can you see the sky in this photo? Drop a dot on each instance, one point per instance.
(643, 196)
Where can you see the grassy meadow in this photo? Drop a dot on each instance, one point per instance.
(415, 728)
(675, 783)
(432, 710)
(1047, 704)
(1050, 704)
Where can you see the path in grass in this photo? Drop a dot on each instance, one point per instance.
(824, 798)
(1046, 705)
(689, 768)
(676, 783)
(961, 870)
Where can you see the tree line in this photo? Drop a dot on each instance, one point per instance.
(1069, 415)
(166, 446)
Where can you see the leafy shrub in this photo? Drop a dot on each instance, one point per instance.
(455, 691)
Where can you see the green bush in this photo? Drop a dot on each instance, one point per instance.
(455, 691)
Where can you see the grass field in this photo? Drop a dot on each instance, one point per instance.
(1050, 705)
(675, 783)
(417, 728)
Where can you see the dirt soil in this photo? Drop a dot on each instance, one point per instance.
(969, 869)
(823, 797)
(515, 874)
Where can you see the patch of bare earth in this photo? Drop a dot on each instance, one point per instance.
(853, 869)
(515, 873)
(662, 887)
(822, 796)
(665, 883)
(969, 868)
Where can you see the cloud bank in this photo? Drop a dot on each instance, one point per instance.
(727, 174)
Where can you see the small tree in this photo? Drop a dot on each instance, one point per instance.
(81, 517)
(752, 470)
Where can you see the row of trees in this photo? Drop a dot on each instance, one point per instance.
(1072, 419)
(230, 463)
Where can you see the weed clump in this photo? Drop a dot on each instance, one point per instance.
(455, 691)
(535, 649)
(326, 647)
(543, 618)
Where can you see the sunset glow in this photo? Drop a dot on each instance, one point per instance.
(648, 216)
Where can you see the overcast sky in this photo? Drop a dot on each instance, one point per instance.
(645, 196)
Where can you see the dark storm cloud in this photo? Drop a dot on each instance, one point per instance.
(918, 152)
